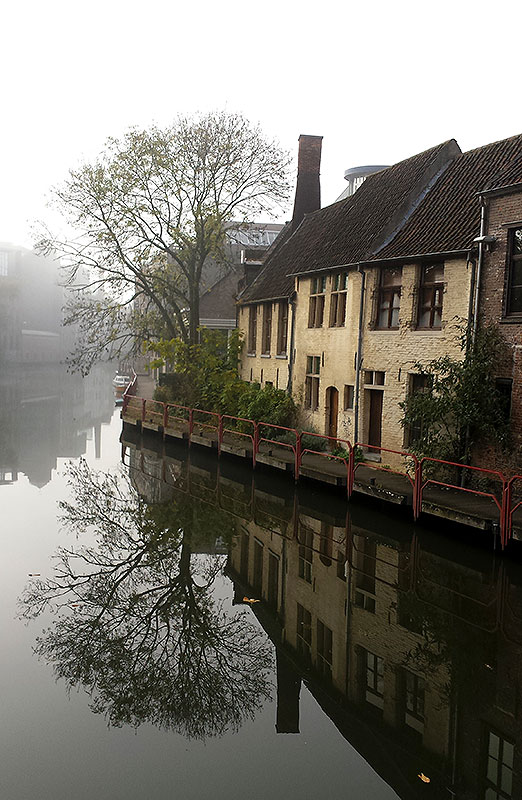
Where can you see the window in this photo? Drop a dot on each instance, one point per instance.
(304, 631)
(324, 649)
(338, 300)
(499, 771)
(326, 544)
(282, 328)
(389, 298)
(514, 277)
(374, 377)
(415, 430)
(316, 303)
(258, 567)
(252, 329)
(504, 389)
(267, 328)
(364, 563)
(414, 712)
(430, 300)
(313, 365)
(349, 395)
(306, 539)
(374, 693)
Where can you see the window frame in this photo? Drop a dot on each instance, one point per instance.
(282, 328)
(316, 302)
(252, 330)
(432, 289)
(338, 297)
(511, 259)
(266, 335)
(386, 293)
(312, 382)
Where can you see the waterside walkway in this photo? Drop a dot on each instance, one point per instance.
(493, 506)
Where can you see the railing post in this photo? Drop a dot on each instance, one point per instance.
(191, 424)
(297, 463)
(143, 403)
(416, 486)
(505, 514)
(255, 448)
(165, 417)
(220, 432)
(351, 472)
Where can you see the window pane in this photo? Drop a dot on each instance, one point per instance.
(507, 754)
(517, 241)
(506, 781)
(515, 300)
(516, 273)
(493, 748)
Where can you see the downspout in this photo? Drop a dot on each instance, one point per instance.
(479, 268)
(291, 303)
(358, 363)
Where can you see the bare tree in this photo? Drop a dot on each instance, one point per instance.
(147, 214)
(136, 623)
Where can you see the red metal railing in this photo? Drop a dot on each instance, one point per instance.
(162, 415)
(422, 483)
(325, 453)
(360, 446)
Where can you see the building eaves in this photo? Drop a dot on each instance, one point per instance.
(448, 219)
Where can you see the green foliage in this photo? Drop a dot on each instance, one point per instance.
(460, 405)
(205, 374)
(268, 405)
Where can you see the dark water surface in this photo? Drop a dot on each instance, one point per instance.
(381, 660)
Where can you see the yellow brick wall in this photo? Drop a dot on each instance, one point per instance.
(261, 368)
(394, 352)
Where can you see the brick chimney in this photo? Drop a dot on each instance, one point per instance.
(308, 189)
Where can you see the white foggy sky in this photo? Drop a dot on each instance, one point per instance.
(379, 81)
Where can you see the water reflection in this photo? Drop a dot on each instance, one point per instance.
(45, 414)
(137, 624)
(409, 642)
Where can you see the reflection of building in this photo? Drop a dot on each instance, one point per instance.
(412, 645)
(46, 414)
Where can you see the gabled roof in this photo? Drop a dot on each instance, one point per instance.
(425, 205)
(352, 229)
(449, 217)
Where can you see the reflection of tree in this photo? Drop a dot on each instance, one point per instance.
(136, 622)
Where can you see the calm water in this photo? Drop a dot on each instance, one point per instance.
(174, 629)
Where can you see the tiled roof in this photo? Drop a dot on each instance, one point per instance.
(448, 219)
(426, 204)
(351, 229)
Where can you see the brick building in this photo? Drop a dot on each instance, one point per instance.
(500, 283)
(354, 295)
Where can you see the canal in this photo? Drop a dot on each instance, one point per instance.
(176, 627)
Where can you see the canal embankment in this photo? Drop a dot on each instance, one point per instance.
(491, 506)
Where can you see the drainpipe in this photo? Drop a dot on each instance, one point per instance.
(291, 303)
(358, 363)
(480, 242)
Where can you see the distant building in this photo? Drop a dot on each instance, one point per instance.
(246, 249)
(31, 304)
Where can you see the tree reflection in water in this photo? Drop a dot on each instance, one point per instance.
(136, 622)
